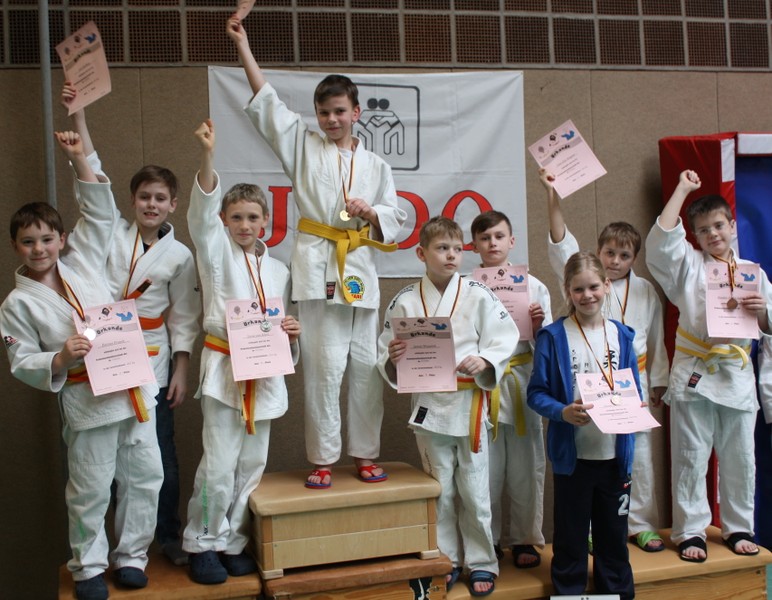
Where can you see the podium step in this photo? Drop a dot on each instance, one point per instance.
(658, 575)
(168, 582)
(298, 527)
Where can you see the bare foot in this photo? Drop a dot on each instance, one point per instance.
(482, 586)
(364, 472)
(320, 476)
(745, 547)
(694, 553)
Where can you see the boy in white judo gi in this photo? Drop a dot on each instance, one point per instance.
(148, 264)
(104, 436)
(712, 392)
(348, 208)
(233, 264)
(517, 458)
(632, 301)
(454, 447)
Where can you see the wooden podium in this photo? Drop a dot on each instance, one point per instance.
(298, 527)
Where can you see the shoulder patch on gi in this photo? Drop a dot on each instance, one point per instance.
(9, 340)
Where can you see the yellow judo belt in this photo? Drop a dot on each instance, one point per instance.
(477, 412)
(519, 404)
(80, 375)
(246, 388)
(710, 353)
(642, 364)
(346, 240)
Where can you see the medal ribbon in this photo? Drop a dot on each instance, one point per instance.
(610, 377)
(345, 189)
(134, 259)
(732, 267)
(623, 305)
(423, 301)
(248, 388)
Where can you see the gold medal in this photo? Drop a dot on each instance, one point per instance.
(344, 216)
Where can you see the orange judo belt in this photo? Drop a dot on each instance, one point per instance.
(480, 401)
(247, 388)
(80, 375)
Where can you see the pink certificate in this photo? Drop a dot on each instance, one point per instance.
(566, 154)
(618, 410)
(85, 65)
(259, 346)
(510, 284)
(726, 319)
(243, 8)
(118, 357)
(429, 364)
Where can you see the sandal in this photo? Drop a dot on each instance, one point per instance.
(644, 538)
(735, 538)
(481, 577)
(321, 474)
(693, 542)
(366, 474)
(452, 577)
(519, 550)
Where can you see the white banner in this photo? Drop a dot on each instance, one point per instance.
(455, 143)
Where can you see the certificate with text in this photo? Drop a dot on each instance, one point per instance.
(725, 317)
(243, 8)
(259, 346)
(510, 284)
(566, 154)
(85, 66)
(615, 411)
(429, 362)
(118, 357)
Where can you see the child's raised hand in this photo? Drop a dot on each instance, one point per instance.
(689, 181)
(547, 179)
(70, 143)
(205, 135)
(291, 327)
(576, 413)
(472, 365)
(397, 349)
(68, 94)
(536, 313)
(235, 30)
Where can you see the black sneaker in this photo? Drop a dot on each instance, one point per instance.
(92, 589)
(238, 564)
(130, 577)
(206, 568)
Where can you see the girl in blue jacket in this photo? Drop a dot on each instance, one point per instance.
(591, 469)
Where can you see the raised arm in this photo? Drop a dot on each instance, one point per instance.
(254, 74)
(688, 181)
(78, 117)
(72, 146)
(557, 222)
(205, 136)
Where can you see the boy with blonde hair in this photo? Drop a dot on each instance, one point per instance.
(517, 458)
(233, 264)
(452, 449)
(712, 393)
(632, 301)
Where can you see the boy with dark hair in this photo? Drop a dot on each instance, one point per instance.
(105, 439)
(517, 459)
(484, 338)
(347, 214)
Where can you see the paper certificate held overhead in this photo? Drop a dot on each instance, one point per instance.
(726, 286)
(429, 362)
(259, 347)
(510, 284)
(118, 357)
(564, 153)
(243, 8)
(85, 66)
(617, 410)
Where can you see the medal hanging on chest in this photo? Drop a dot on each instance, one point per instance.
(344, 216)
(265, 324)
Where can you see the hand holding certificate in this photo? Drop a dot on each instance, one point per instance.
(259, 347)
(85, 66)
(727, 286)
(243, 8)
(429, 361)
(510, 284)
(564, 153)
(118, 357)
(617, 410)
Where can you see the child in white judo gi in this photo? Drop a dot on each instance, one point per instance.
(233, 264)
(148, 264)
(712, 392)
(516, 459)
(106, 438)
(591, 469)
(454, 446)
(632, 301)
(348, 207)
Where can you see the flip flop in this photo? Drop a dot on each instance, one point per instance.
(519, 550)
(370, 478)
(453, 575)
(481, 577)
(644, 538)
(734, 538)
(321, 474)
(693, 542)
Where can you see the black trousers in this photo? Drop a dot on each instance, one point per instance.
(593, 493)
